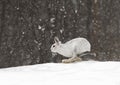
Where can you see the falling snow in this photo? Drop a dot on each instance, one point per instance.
(23, 33)
(43, 29)
(39, 27)
(17, 8)
(62, 9)
(61, 30)
(76, 11)
(52, 20)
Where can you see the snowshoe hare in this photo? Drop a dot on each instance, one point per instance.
(71, 49)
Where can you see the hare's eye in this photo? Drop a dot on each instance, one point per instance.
(53, 45)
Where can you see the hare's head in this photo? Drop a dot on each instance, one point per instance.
(55, 47)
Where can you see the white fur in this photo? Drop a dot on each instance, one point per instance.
(71, 48)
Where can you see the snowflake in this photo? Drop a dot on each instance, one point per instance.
(62, 9)
(76, 11)
(23, 33)
(43, 29)
(52, 20)
(61, 30)
(40, 19)
(17, 8)
(52, 25)
(35, 41)
(39, 27)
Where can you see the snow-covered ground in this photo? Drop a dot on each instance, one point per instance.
(82, 73)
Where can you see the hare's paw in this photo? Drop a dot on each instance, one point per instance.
(65, 61)
(71, 60)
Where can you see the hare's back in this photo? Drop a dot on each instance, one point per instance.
(80, 44)
(76, 40)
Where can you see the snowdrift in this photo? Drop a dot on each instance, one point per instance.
(82, 73)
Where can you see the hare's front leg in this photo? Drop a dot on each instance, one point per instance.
(71, 60)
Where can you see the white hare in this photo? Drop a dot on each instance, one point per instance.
(71, 48)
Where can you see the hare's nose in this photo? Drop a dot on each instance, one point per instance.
(53, 54)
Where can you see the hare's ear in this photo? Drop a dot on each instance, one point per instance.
(56, 40)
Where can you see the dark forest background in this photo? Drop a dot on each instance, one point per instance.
(28, 27)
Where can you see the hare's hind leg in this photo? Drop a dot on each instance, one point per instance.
(71, 60)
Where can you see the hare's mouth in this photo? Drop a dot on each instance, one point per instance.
(54, 54)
